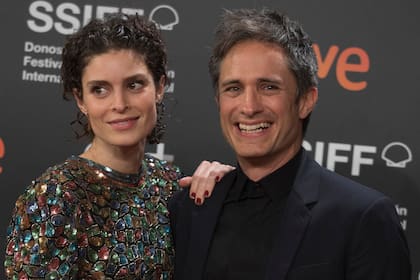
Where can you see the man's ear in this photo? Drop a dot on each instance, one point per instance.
(217, 98)
(77, 94)
(307, 102)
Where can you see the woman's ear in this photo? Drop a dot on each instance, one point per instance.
(307, 102)
(160, 89)
(77, 94)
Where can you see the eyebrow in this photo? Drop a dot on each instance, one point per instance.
(259, 80)
(230, 82)
(129, 78)
(268, 80)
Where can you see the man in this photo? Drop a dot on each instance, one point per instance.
(279, 215)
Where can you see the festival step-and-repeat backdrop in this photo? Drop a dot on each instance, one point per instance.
(363, 127)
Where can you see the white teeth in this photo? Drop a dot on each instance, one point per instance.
(253, 127)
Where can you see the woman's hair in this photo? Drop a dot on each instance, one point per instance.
(116, 32)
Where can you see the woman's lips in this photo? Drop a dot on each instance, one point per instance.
(123, 124)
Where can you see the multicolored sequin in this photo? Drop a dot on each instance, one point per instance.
(82, 220)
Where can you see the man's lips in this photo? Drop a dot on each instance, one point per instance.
(253, 128)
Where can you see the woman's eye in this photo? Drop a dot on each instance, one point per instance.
(135, 85)
(97, 90)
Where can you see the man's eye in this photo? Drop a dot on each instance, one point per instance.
(232, 89)
(269, 87)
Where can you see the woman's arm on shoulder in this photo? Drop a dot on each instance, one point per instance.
(204, 179)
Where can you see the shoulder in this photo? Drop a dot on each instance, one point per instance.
(364, 218)
(333, 185)
(329, 192)
(47, 209)
(346, 201)
(161, 167)
(55, 190)
(163, 174)
(370, 212)
(349, 190)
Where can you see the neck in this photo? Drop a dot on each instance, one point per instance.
(122, 159)
(258, 168)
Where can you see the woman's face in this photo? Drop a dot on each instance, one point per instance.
(119, 98)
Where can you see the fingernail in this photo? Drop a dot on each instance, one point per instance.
(206, 193)
(217, 178)
(198, 201)
(193, 195)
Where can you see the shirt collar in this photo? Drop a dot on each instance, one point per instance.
(276, 184)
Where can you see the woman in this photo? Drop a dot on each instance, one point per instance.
(103, 214)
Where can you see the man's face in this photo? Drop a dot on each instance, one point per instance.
(257, 97)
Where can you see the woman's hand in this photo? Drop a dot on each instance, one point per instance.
(203, 180)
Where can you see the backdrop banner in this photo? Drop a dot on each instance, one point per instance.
(368, 55)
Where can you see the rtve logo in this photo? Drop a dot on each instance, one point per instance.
(349, 60)
(2, 152)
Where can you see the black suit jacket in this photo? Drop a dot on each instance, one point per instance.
(332, 228)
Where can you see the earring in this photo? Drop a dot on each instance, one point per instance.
(157, 133)
(80, 125)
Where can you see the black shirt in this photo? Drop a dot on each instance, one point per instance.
(251, 212)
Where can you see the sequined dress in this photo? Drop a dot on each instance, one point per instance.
(82, 220)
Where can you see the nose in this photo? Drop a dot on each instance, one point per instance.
(251, 103)
(120, 102)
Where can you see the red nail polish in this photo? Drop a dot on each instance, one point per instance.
(217, 178)
(206, 193)
(193, 195)
(198, 201)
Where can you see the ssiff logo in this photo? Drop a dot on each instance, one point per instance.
(395, 155)
(2, 152)
(67, 17)
(165, 16)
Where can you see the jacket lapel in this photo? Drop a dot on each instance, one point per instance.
(203, 224)
(296, 218)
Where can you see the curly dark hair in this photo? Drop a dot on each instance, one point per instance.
(115, 32)
(270, 26)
